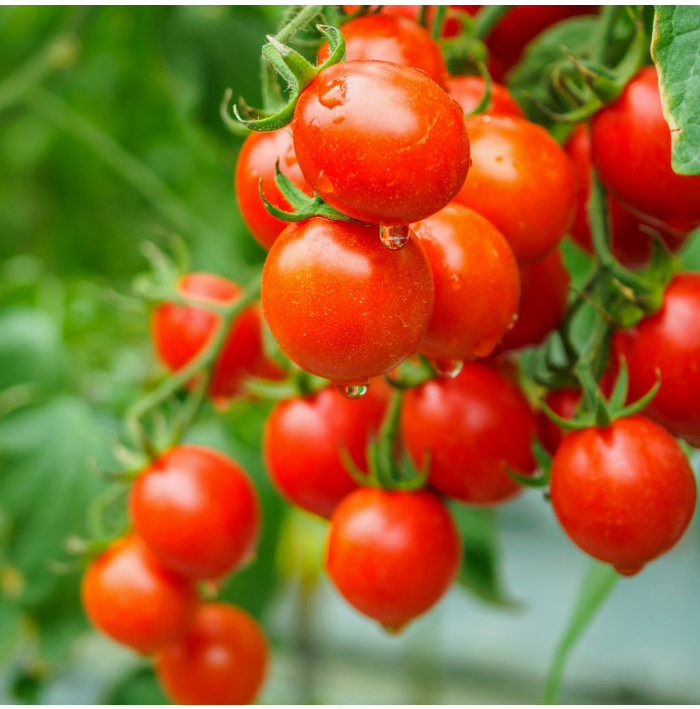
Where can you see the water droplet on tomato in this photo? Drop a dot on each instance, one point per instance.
(352, 391)
(449, 368)
(631, 570)
(394, 237)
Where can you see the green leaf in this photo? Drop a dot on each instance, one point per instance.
(137, 686)
(676, 51)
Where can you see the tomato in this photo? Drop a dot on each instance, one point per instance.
(390, 38)
(258, 156)
(631, 148)
(472, 427)
(522, 182)
(543, 298)
(381, 143)
(180, 332)
(564, 403)
(624, 494)
(392, 554)
(668, 342)
(477, 285)
(343, 306)
(468, 91)
(222, 659)
(197, 511)
(450, 28)
(129, 596)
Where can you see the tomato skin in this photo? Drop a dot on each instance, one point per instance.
(343, 306)
(477, 285)
(128, 595)
(543, 299)
(473, 425)
(392, 554)
(197, 511)
(643, 179)
(258, 156)
(468, 91)
(361, 128)
(668, 342)
(624, 494)
(222, 659)
(518, 164)
(390, 38)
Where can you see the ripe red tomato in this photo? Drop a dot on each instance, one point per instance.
(197, 511)
(468, 91)
(564, 403)
(477, 285)
(392, 554)
(668, 342)
(343, 306)
(129, 596)
(180, 332)
(222, 659)
(390, 38)
(522, 182)
(472, 427)
(543, 296)
(624, 494)
(381, 143)
(631, 148)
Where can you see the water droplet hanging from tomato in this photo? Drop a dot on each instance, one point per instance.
(352, 391)
(449, 368)
(395, 237)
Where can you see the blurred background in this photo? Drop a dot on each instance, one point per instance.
(110, 136)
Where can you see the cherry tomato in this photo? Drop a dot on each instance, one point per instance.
(197, 511)
(624, 494)
(468, 91)
(450, 28)
(129, 596)
(564, 403)
(390, 38)
(472, 427)
(631, 148)
(522, 182)
(543, 296)
(258, 156)
(477, 285)
(343, 306)
(668, 342)
(381, 143)
(180, 332)
(392, 554)
(222, 659)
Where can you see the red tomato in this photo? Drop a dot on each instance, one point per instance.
(668, 342)
(129, 596)
(477, 285)
(390, 38)
(472, 427)
(468, 91)
(343, 306)
(624, 494)
(522, 182)
(180, 332)
(412, 12)
(258, 156)
(222, 659)
(381, 143)
(631, 148)
(564, 403)
(197, 511)
(392, 554)
(543, 296)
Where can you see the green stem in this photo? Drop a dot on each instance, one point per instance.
(298, 22)
(603, 36)
(487, 18)
(438, 21)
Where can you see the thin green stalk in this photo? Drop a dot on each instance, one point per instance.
(298, 22)
(487, 18)
(603, 37)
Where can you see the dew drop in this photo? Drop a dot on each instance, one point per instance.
(395, 237)
(449, 368)
(352, 391)
(629, 570)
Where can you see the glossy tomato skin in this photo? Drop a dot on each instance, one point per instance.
(468, 91)
(131, 597)
(477, 285)
(222, 659)
(472, 426)
(197, 511)
(343, 306)
(543, 297)
(668, 342)
(392, 554)
(180, 332)
(624, 494)
(391, 38)
(522, 181)
(631, 148)
(361, 129)
(257, 159)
